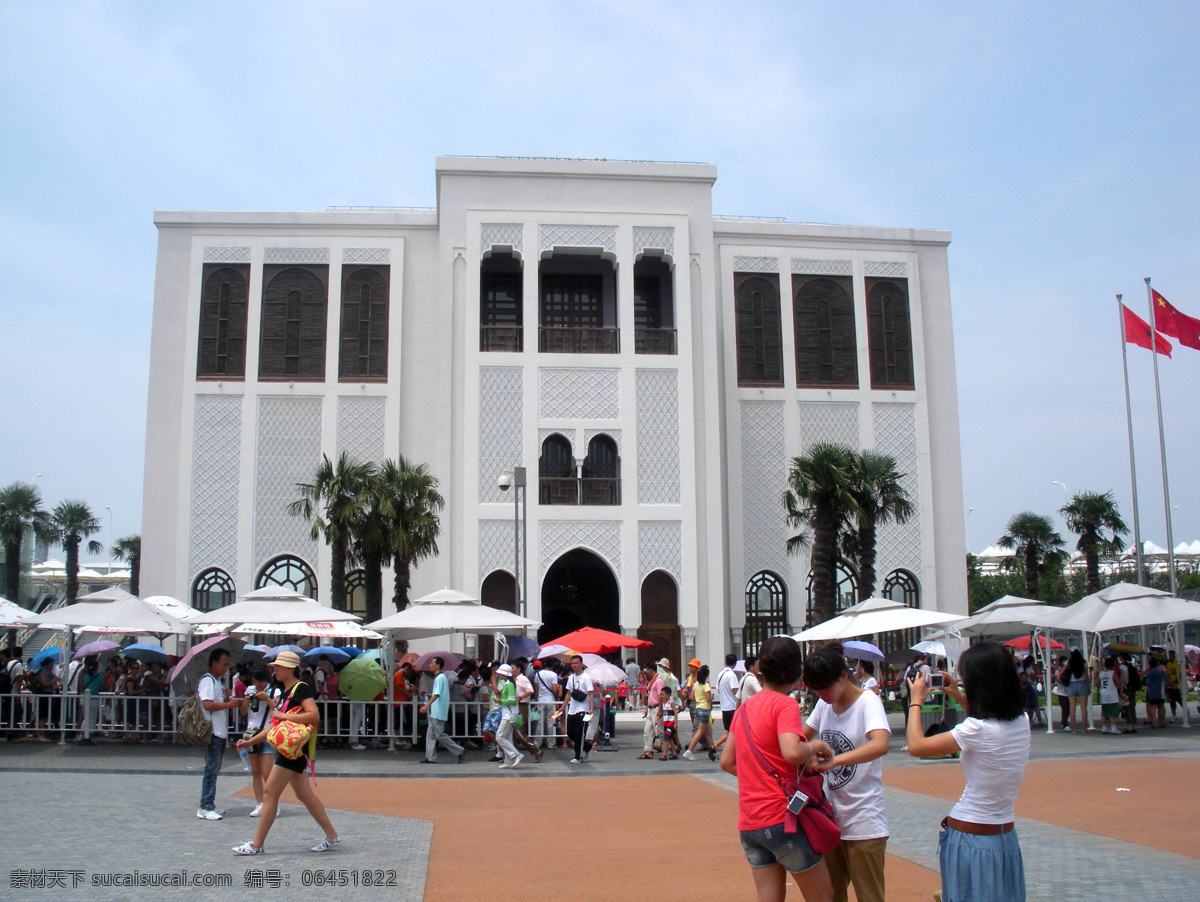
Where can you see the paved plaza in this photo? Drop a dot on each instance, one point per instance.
(1100, 818)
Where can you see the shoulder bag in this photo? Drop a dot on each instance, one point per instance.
(817, 816)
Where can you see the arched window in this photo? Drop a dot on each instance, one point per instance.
(364, 341)
(846, 590)
(222, 348)
(556, 472)
(759, 333)
(213, 589)
(826, 348)
(356, 592)
(293, 323)
(602, 472)
(889, 333)
(901, 586)
(501, 308)
(766, 610)
(289, 571)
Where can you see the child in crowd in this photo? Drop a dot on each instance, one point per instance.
(667, 707)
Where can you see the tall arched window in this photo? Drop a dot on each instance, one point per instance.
(222, 348)
(901, 586)
(845, 588)
(766, 610)
(213, 589)
(364, 336)
(759, 333)
(293, 323)
(356, 592)
(556, 472)
(602, 472)
(889, 333)
(826, 348)
(289, 571)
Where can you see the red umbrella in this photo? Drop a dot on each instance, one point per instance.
(597, 642)
(1022, 643)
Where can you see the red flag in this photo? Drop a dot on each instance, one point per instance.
(1137, 331)
(1170, 321)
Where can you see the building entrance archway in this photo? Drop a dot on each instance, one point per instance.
(499, 591)
(579, 590)
(660, 621)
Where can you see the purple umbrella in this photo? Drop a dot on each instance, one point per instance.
(858, 650)
(275, 652)
(94, 648)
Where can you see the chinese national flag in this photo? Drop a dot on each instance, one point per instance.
(1138, 332)
(1170, 321)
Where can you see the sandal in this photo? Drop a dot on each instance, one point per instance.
(663, 758)
(644, 755)
(537, 757)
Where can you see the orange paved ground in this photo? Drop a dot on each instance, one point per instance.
(638, 828)
(1161, 811)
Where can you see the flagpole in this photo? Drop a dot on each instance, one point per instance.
(1162, 443)
(1137, 529)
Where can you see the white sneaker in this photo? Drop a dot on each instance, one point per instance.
(248, 848)
(257, 810)
(326, 844)
(208, 814)
(576, 761)
(358, 747)
(518, 760)
(688, 754)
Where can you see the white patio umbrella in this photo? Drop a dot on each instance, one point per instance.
(315, 630)
(875, 615)
(1009, 614)
(274, 604)
(12, 614)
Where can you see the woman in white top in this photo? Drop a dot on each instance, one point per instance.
(978, 849)
(851, 720)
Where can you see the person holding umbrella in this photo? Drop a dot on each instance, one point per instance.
(297, 704)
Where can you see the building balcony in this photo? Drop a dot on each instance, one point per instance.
(654, 341)
(579, 340)
(501, 338)
(591, 492)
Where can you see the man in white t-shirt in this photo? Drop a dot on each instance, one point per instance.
(214, 703)
(750, 685)
(577, 708)
(544, 683)
(727, 690)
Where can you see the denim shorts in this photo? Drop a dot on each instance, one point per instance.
(703, 716)
(1077, 688)
(771, 845)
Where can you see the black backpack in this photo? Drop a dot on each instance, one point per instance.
(6, 680)
(1134, 683)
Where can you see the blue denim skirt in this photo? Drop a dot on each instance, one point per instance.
(981, 868)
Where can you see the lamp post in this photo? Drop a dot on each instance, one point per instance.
(515, 479)
(110, 539)
(970, 510)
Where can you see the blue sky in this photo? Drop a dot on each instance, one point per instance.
(1058, 142)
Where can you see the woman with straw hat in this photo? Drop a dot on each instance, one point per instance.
(297, 704)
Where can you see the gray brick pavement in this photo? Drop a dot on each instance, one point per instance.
(91, 825)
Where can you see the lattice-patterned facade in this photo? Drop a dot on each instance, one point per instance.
(658, 476)
(360, 427)
(216, 467)
(500, 415)
(801, 266)
(227, 255)
(577, 236)
(502, 234)
(654, 239)
(557, 537)
(366, 255)
(899, 545)
(578, 393)
(288, 451)
(497, 547)
(828, 421)
(763, 481)
(660, 547)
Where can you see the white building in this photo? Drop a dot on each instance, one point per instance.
(653, 366)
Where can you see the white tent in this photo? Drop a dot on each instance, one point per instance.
(1009, 614)
(1119, 606)
(111, 610)
(345, 629)
(449, 611)
(274, 604)
(12, 614)
(875, 615)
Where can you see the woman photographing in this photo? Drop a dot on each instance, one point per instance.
(297, 704)
(978, 850)
(770, 721)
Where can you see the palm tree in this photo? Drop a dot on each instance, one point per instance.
(414, 503)
(372, 543)
(20, 509)
(73, 521)
(129, 550)
(819, 500)
(332, 501)
(1089, 515)
(879, 498)
(1033, 537)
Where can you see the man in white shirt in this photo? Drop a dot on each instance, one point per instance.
(750, 684)
(214, 702)
(544, 682)
(727, 691)
(579, 703)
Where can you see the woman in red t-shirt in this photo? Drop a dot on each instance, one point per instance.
(777, 731)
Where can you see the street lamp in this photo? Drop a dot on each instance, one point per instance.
(1066, 500)
(515, 479)
(110, 538)
(970, 510)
